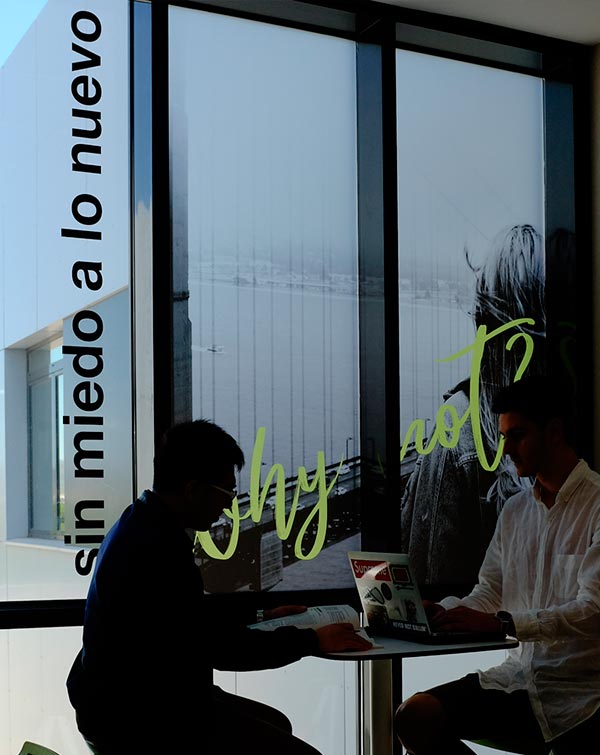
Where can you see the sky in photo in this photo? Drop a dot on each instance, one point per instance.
(16, 16)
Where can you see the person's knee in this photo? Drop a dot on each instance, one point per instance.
(419, 721)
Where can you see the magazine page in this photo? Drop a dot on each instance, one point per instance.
(313, 618)
(388, 591)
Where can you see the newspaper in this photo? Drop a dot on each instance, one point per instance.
(313, 618)
(317, 617)
(388, 592)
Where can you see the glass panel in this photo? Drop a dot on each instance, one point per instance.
(46, 440)
(264, 207)
(263, 161)
(34, 664)
(60, 455)
(471, 202)
(42, 468)
(39, 361)
(55, 351)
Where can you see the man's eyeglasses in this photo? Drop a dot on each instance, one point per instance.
(231, 494)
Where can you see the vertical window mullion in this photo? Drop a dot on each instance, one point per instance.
(378, 288)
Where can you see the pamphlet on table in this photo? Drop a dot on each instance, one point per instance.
(316, 617)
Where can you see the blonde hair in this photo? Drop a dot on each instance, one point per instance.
(509, 285)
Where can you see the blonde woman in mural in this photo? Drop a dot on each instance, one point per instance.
(451, 503)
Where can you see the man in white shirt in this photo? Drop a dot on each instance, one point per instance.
(540, 582)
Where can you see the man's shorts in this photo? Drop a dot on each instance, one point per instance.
(477, 713)
(507, 719)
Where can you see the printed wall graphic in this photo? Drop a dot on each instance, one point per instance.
(96, 341)
(96, 421)
(64, 141)
(472, 296)
(265, 246)
(264, 223)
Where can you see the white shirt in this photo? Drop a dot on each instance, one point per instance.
(543, 565)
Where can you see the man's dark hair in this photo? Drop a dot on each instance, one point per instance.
(540, 399)
(198, 450)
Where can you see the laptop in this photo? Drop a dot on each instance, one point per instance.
(392, 603)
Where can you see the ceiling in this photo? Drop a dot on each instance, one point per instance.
(572, 20)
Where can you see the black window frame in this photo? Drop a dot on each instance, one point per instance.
(373, 26)
(378, 29)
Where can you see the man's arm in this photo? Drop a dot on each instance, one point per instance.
(461, 619)
(579, 617)
(477, 611)
(242, 649)
(486, 596)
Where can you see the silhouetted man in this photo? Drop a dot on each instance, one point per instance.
(143, 682)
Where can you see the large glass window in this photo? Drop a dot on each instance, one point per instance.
(46, 440)
(471, 295)
(263, 171)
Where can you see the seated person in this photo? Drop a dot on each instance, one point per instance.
(540, 581)
(143, 681)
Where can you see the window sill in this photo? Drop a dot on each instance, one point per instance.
(44, 544)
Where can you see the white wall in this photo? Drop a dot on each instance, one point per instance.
(37, 292)
(37, 187)
(38, 183)
(33, 698)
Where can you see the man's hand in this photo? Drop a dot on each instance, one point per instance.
(463, 619)
(336, 638)
(281, 611)
(433, 610)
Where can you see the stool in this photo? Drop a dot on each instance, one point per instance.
(504, 748)
(30, 748)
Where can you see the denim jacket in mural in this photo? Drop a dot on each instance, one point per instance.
(448, 515)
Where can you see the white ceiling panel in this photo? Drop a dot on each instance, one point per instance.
(572, 20)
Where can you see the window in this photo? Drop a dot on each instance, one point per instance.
(45, 439)
(471, 255)
(276, 137)
(263, 171)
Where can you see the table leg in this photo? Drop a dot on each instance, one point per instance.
(397, 698)
(377, 708)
